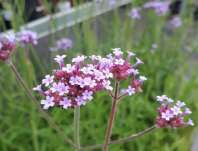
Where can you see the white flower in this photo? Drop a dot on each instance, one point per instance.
(48, 102)
(59, 59)
(69, 68)
(119, 61)
(162, 98)
(107, 85)
(190, 122)
(37, 88)
(117, 51)
(79, 59)
(187, 111)
(169, 100)
(87, 95)
(130, 91)
(65, 103)
(133, 71)
(176, 110)
(48, 80)
(138, 61)
(167, 115)
(143, 78)
(180, 104)
(61, 88)
(130, 53)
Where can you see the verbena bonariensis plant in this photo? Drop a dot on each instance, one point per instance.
(8, 44)
(73, 85)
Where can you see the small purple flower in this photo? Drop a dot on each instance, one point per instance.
(61, 88)
(130, 91)
(79, 59)
(161, 8)
(60, 60)
(48, 80)
(48, 102)
(175, 22)
(37, 88)
(135, 13)
(63, 44)
(65, 103)
(167, 115)
(27, 37)
(161, 98)
(87, 95)
(190, 122)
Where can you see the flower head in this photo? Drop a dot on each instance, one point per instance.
(175, 22)
(172, 114)
(7, 45)
(63, 44)
(135, 13)
(27, 37)
(160, 7)
(75, 84)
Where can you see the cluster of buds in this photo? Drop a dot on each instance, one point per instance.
(27, 37)
(172, 114)
(7, 45)
(75, 84)
(63, 44)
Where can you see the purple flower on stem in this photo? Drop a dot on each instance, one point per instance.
(48, 102)
(161, 8)
(63, 44)
(172, 114)
(7, 45)
(27, 37)
(135, 13)
(175, 22)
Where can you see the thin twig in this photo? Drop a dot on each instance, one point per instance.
(45, 115)
(122, 140)
(77, 127)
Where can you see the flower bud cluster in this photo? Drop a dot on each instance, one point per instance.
(172, 114)
(7, 45)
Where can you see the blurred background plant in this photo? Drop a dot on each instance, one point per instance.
(169, 54)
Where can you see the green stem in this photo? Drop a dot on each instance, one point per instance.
(111, 117)
(77, 127)
(45, 115)
(129, 138)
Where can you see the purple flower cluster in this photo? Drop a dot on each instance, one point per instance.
(9, 41)
(175, 22)
(63, 44)
(172, 114)
(135, 13)
(7, 45)
(75, 84)
(160, 8)
(27, 37)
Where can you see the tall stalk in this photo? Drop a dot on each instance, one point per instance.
(111, 117)
(77, 127)
(43, 113)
